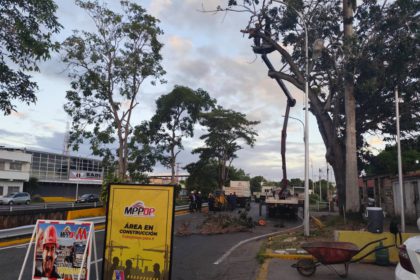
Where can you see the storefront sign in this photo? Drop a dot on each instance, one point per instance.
(138, 241)
(85, 175)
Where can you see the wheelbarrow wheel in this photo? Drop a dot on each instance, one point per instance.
(306, 267)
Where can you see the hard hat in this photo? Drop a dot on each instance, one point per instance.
(50, 236)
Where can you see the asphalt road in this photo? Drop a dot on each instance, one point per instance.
(194, 256)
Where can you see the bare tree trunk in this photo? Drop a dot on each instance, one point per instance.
(173, 163)
(352, 188)
(121, 169)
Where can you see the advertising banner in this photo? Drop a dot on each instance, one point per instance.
(139, 226)
(85, 175)
(61, 247)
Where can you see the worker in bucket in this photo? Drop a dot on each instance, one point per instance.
(49, 254)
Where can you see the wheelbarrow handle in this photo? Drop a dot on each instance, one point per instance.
(370, 252)
(370, 243)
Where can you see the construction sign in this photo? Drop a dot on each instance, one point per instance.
(139, 227)
(62, 250)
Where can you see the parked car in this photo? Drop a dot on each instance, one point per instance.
(16, 198)
(89, 197)
(409, 266)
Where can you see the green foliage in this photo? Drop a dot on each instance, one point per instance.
(386, 161)
(256, 183)
(174, 120)
(203, 176)
(225, 130)
(296, 182)
(26, 30)
(381, 54)
(388, 58)
(110, 178)
(107, 68)
(313, 198)
(235, 174)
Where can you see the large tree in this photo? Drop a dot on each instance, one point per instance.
(26, 30)
(226, 131)
(351, 84)
(174, 120)
(108, 67)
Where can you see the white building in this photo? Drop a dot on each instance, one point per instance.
(15, 166)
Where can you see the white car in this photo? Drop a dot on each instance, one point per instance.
(409, 266)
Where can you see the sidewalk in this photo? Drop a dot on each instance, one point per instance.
(281, 269)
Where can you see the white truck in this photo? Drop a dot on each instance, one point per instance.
(242, 190)
(266, 191)
(286, 205)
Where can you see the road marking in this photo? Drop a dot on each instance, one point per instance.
(225, 255)
(97, 261)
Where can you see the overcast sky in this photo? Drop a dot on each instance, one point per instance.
(201, 50)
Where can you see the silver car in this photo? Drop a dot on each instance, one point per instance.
(16, 198)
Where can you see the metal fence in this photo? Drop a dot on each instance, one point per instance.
(320, 206)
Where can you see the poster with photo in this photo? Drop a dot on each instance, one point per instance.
(61, 247)
(139, 227)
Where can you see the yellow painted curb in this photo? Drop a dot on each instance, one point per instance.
(58, 199)
(263, 272)
(15, 242)
(82, 213)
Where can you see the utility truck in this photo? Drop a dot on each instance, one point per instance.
(242, 190)
(283, 203)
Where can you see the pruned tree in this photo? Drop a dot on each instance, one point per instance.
(352, 81)
(26, 30)
(107, 68)
(176, 114)
(226, 131)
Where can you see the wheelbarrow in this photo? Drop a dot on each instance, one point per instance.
(330, 253)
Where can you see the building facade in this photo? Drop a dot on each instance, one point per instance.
(57, 174)
(14, 170)
(386, 193)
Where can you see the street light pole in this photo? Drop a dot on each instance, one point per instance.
(306, 136)
(400, 176)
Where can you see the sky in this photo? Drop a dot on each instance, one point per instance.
(201, 50)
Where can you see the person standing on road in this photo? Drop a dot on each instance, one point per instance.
(193, 201)
(199, 201)
(211, 202)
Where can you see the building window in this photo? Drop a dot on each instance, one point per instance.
(13, 189)
(1, 165)
(16, 166)
(1, 190)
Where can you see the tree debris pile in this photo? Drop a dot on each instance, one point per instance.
(226, 223)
